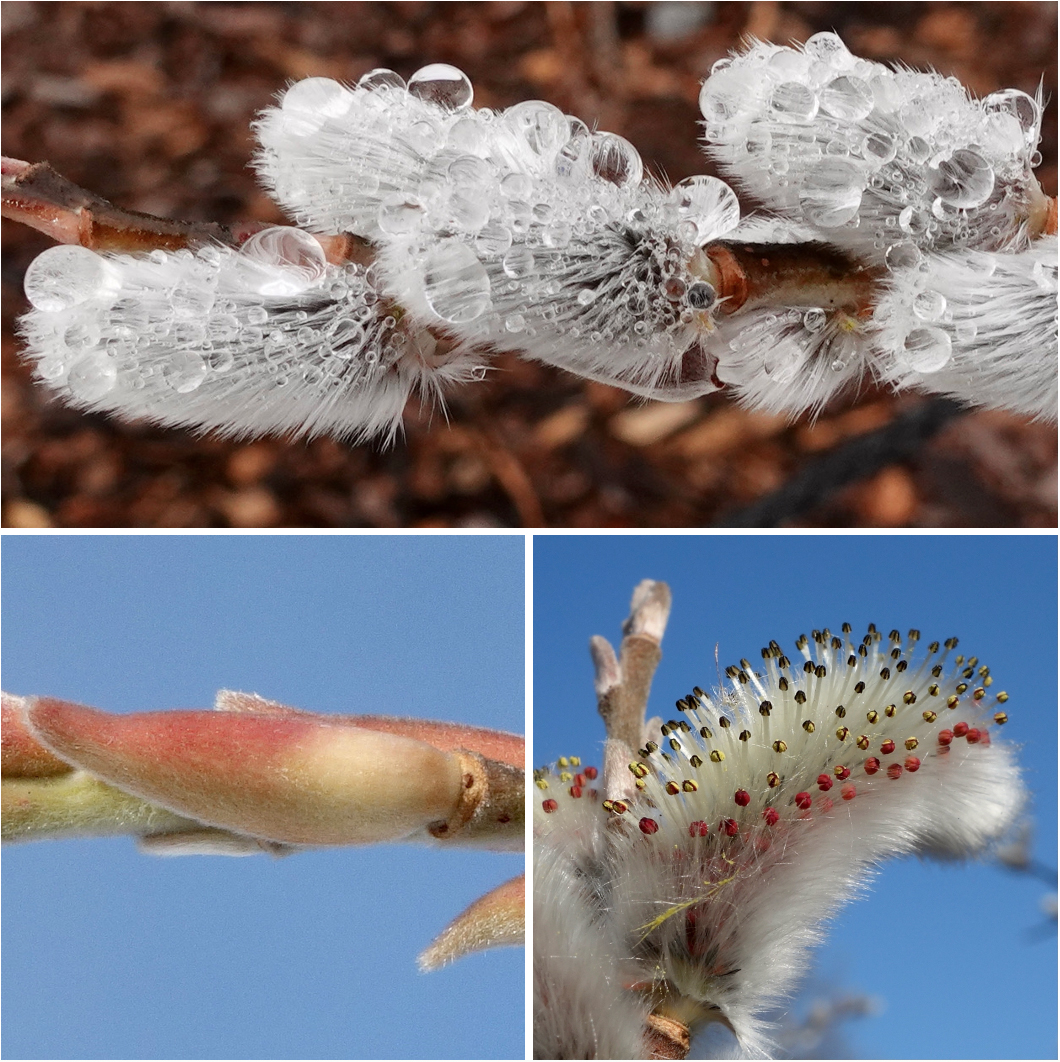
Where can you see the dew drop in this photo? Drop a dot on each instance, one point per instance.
(927, 349)
(903, 255)
(400, 214)
(221, 359)
(929, 305)
(309, 103)
(515, 322)
(65, 276)
(92, 376)
(831, 193)
(964, 180)
(455, 282)
(516, 186)
(814, 319)
(257, 314)
(382, 79)
(616, 160)
(847, 98)
(468, 136)
(544, 128)
(519, 262)
(293, 251)
(828, 48)
(792, 101)
(879, 148)
(493, 239)
(912, 221)
(586, 297)
(443, 85)
(701, 295)
(709, 204)
(185, 372)
(1021, 106)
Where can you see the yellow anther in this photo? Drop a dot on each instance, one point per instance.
(541, 783)
(808, 726)
(1000, 717)
(689, 786)
(930, 717)
(717, 756)
(563, 761)
(842, 733)
(780, 746)
(863, 742)
(911, 743)
(773, 779)
(873, 716)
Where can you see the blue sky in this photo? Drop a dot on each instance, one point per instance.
(112, 954)
(951, 952)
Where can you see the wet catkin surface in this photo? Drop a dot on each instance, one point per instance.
(149, 105)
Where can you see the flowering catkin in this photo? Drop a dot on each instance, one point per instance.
(755, 815)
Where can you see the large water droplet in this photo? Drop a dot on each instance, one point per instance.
(927, 349)
(185, 372)
(295, 253)
(455, 282)
(847, 98)
(61, 277)
(828, 48)
(382, 79)
(879, 148)
(814, 319)
(469, 136)
(831, 193)
(792, 101)
(929, 305)
(493, 239)
(544, 128)
(519, 262)
(903, 255)
(92, 376)
(711, 205)
(516, 186)
(309, 103)
(444, 85)
(964, 180)
(912, 221)
(221, 359)
(1021, 106)
(616, 160)
(400, 215)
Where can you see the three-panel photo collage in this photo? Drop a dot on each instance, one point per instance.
(529, 531)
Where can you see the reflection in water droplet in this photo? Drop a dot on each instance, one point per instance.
(92, 376)
(442, 84)
(382, 79)
(794, 102)
(831, 193)
(847, 98)
(711, 205)
(61, 277)
(616, 160)
(455, 282)
(929, 305)
(519, 262)
(927, 349)
(964, 180)
(185, 372)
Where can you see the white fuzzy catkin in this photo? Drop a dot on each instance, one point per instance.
(769, 804)
(519, 230)
(874, 159)
(267, 338)
(978, 327)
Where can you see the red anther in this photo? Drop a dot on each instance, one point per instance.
(945, 737)
(984, 737)
(549, 805)
(619, 807)
(648, 826)
(872, 765)
(673, 788)
(842, 773)
(698, 828)
(849, 791)
(575, 791)
(894, 771)
(974, 735)
(803, 800)
(961, 729)
(590, 773)
(729, 826)
(912, 764)
(824, 783)
(579, 779)
(824, 803)
(742, 798)
(887, 748)
(771, 816)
